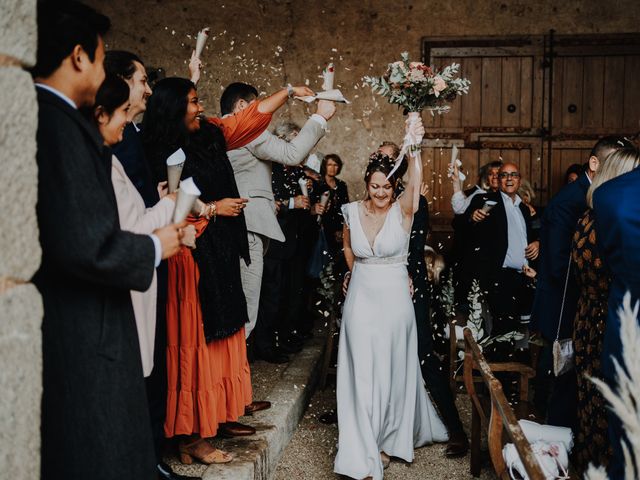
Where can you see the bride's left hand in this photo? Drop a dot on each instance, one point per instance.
(411, 287)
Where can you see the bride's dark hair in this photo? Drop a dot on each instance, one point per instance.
(379, 162)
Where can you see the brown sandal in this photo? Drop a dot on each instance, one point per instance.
(202, 451)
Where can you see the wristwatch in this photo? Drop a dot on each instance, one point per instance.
(290, 91)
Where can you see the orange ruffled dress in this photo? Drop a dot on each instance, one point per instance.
(208, 383)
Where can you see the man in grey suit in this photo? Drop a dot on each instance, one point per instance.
(252, 169)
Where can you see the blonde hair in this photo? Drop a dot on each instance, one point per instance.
(615, 164)
(526, 190)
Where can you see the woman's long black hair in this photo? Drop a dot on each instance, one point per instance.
(164, 129)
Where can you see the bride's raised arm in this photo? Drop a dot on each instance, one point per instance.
(410, 199)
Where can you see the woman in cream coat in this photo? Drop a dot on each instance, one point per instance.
(110, 115)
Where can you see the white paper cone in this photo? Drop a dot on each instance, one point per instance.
(328, 74)
(203, 35)
(303, 186)
(175, 162)
(331, 95)
(197, 207)
(187, 195)
(324, 198)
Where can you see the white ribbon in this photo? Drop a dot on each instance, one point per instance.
(410, 140)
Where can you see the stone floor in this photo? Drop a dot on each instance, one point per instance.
(310, 454)
(291, 444)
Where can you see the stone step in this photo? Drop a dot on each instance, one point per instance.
(256, 456)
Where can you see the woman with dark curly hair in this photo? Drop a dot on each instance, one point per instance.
(209, 383)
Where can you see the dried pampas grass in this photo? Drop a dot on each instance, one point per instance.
(625, 403)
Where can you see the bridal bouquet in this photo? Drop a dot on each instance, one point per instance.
(416, 86)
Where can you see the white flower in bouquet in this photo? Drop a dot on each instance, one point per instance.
(416, 86)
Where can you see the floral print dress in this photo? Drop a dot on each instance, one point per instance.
(591, 441)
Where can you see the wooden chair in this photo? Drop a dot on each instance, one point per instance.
(495, 412)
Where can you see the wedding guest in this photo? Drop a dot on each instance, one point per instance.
(506, 245)
(433, 373)
(557, 398)
(129, 151)
(252, 169)
(95, 421)
(573, 173)
(463, 251)
(110, 114)
(616, 211)
(339, 195)
(272, 331)
(206, 309)
(487, 181)
(593, 279)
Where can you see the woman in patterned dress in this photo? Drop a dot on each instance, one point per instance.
(591, 441)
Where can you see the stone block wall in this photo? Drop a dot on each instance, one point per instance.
(273, 42)
(20, 303)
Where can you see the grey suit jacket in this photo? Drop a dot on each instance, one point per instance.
(252, 169)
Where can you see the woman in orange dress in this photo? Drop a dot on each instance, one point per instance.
(209, 382)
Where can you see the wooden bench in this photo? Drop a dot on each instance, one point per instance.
(495, 413)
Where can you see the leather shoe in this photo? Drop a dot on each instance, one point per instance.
(272, 356)
(235, 429)
(165, 473)
(329, 418)
(457, 446)
(256, 407)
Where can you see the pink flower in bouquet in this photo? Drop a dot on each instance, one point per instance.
(417, 75)
(438, 85)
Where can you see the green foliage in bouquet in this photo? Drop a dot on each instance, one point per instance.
(416, 86)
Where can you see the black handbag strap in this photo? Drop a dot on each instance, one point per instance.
(564, 296)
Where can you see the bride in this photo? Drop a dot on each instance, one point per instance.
(383, 407)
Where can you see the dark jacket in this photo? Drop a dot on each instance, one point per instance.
(617, 224)
(490, 238)
(557, 226)
(95, 420)
(130, 152)
(284, 180)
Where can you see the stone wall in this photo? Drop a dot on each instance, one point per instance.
(20, 303)
(273, 42)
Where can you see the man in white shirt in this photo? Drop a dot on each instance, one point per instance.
(505, 246)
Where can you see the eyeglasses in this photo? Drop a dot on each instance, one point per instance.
(509, 174)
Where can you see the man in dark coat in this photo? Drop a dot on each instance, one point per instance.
(617, 214)
(557, 397)
(432, 372)
(95, 422)
(278, 284)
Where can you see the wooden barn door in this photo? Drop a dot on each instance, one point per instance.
(540, 102)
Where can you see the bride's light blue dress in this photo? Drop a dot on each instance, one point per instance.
(382, 402)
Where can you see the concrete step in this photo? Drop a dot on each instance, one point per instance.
(288, 387)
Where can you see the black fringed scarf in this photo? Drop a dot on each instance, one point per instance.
(224, 242)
